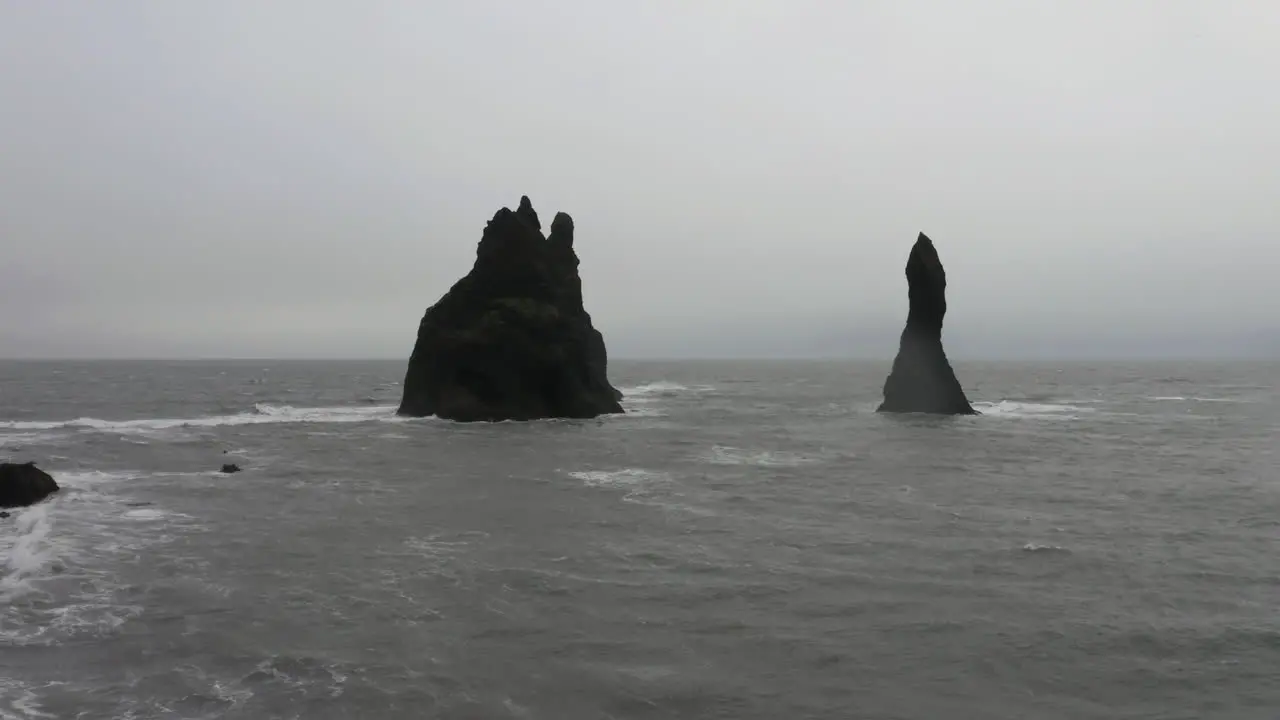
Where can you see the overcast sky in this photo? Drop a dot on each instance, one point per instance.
(287, 179)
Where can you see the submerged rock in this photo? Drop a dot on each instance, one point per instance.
(24, 484)
(922, 380)
(511, 340)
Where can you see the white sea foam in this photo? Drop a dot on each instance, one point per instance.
(18, 701)
(192, 473)
(627, 478)
(56, 558)
(661, 387)
(90, 479)
(1038, 548)
(298, 672)
(33, 548)
(30, 553)
(434, 552)
(638, 410)
(722, 455)
(1022, 409)
(649, 392)
(642, 487)
(645, 400)
(636, 483)
(18, 439)
(145, 514)
(1180, 398)
(262, 413)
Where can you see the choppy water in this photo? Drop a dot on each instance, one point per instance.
(751, 541)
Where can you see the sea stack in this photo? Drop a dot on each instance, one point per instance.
(23, 484)
(511, 340)
(922, 380)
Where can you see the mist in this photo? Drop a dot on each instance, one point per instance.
(295, 179)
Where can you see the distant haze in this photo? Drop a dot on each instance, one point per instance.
(302, 179)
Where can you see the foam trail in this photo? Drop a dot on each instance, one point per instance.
(21, 438)
(625, 478)
(57, 556)
(34, 550)
(19, 702)
(1180, 398)
(722, 455)
(262, 414)
(642, 400)
(1021, 409)
(661, 387)
(1045, 549)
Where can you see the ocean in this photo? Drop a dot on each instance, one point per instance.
(750, 541)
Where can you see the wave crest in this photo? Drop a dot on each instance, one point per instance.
(1025, 409)
(262, 413)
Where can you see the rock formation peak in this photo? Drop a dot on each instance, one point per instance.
(526, 213)
(922, 379)
(562, 230)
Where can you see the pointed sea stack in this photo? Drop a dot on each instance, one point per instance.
(922, 380)
(511, 340)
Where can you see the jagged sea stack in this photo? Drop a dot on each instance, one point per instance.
(511, 340)
(922, 380)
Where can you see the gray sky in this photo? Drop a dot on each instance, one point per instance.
(247, 178)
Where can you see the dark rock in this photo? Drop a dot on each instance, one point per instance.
(230, 468)
(922, 380)
(511, 340)
(529, 216)
(24, 484)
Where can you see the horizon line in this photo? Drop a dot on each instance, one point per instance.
(672, 358)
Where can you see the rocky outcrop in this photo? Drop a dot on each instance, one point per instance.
(24, 484)
(511, 340)
(922, 380)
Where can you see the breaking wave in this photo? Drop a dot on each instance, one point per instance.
(30, 554)
(646, 400)
(627, 478)
(262, 413)
(722, 455)
(636, 484)
(57, 558)
(1024, 409)
(1180, 398)
(1045, 549)
(34, 550)
(19, 439)
(660, 387)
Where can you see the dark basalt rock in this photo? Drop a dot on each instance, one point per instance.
(511, 340)
(24, 484)
(230, 468)
(922, 380)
